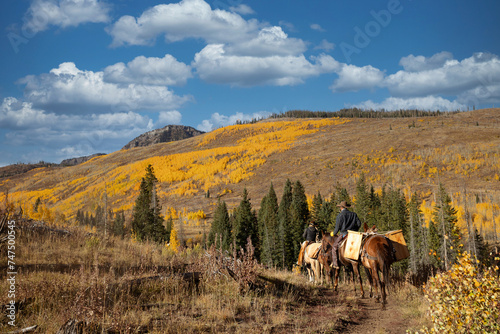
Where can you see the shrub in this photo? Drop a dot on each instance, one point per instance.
(463, 300)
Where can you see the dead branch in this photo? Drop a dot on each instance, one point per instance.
(24, 330)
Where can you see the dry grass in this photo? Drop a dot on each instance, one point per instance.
(126, 287)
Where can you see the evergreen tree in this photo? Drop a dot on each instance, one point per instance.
(147, 223)
(299, 214)
(37, 204)
(245, 223)
(415, 244)
(317, 203)
(80, 217)
(284, 219)
(119, 224)
(374, 208)
(327, 216)
(99, 218)
(483, 252)
(220, 231)
(435, 240)
(362, 199)
(393, 213)
(446, 217)
(342, 195)
(268, 223)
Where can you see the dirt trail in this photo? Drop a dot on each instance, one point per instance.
(374, 319)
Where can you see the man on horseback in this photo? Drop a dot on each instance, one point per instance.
(310, 234)
(346, 220)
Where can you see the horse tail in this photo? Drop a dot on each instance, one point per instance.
(387, 260)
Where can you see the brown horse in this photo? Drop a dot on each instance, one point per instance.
(377, 255)
(327, 243)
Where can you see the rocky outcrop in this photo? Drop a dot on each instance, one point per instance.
(163, 135)
(80, 160)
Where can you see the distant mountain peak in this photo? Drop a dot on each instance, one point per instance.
(166, 134)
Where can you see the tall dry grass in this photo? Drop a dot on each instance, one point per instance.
(118, 286)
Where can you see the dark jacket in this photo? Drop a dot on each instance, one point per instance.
(347, 220)
(310, 233)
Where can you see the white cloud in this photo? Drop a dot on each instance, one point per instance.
(169, 117)
(422, 103)
(242, 9)
(64, 13)
(325, 45)
(413, 63)
(178, 21)
(65, 136)
(217, 120)
(214, 65)
(269, 41)
(453, 77)
(473, 80)
(164, 71)
(68, 89)
(487, 92)
(317, 27)
(353, 78)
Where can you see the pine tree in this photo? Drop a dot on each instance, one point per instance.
(268, 223)
(362, 199)
(245, 223)
(342, 195)
(435, 240)
(374, 208)
(284, 229)
(317, 203)
(415, 245)
(80, 217)
(483, 251)
(299, 214)
(147, 223)
(119, 224)
(326, 216)
(446, 217)
(220, 231)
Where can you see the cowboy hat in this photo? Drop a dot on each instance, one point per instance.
(344, 204)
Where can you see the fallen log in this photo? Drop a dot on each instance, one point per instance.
(24, 330)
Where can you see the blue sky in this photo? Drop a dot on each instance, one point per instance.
(86, 76)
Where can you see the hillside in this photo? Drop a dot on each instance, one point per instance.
(415, 154)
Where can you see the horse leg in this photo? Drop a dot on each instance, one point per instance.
(376, 283)
(335, 286)
(319, 271)
(385, 279)
(370, 280)
(355, 269)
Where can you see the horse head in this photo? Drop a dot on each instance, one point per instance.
(371, 230)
